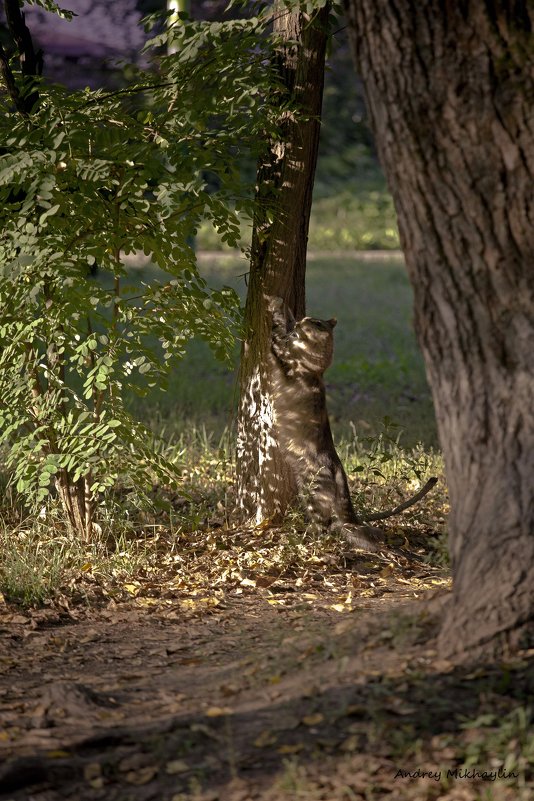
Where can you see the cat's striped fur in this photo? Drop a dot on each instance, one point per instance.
(302, 351)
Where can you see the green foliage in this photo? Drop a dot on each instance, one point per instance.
(49, 5)
(362, 219)
(505, 741)
(86, 179)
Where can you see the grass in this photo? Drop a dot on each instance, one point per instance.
(380, 409)
(357, 216)
(377, 372)
(188, 554)
(191, 535)
(362, 220)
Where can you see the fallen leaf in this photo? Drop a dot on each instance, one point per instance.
(229, 689)
(313, 720)
(290, 749)
(356, 709)
(143, 776)
(92, 774)
(218, 711)
(92, 770)
(144, 601)
(351, 744)
(176, 766)
(18, 619)
(265, 738)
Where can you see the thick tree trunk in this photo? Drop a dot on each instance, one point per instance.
(450, 93)
(278, 257)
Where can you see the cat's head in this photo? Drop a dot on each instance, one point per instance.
(312, 343)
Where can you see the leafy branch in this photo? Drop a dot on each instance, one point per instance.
(84, 179)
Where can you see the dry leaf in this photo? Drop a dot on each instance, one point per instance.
(351, 744)
(18, 619)
(218, 711)
(356, 710)
(92, 774)
(176, 766)
(313, 720)
(265, 738)
(142, 776)
(290, 749)
(92, 770)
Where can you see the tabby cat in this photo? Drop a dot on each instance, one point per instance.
(301, 353)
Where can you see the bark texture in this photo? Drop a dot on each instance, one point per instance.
(278, 257)
(450, 92)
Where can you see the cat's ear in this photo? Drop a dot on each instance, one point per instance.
(333, 322)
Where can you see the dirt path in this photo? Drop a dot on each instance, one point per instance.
(268, 695)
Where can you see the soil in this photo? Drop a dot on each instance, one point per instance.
(269, 693)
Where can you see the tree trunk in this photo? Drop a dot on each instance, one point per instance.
(449, 89)
(278, 256)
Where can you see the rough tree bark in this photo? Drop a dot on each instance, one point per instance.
(450, 91)
(278, 256)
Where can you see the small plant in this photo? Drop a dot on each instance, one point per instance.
(502, 742)
(31, 566)
(386, 472)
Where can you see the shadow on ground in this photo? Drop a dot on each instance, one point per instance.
(260, 702)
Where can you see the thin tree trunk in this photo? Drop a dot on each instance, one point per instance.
(449, 88)
(278, 257)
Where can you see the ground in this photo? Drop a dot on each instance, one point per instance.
(177, 657)
(322, 685)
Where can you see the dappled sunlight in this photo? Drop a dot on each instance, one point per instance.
(260, 697)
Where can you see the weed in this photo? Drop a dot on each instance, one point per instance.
(502, 742)
(31, 565)
(189, 533)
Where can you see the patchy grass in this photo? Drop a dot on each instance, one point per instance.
(363, 220)
(265, 687)
(377, 372)
(380, 410)
(190, 539)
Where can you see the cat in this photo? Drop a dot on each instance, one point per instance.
(302, 350)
